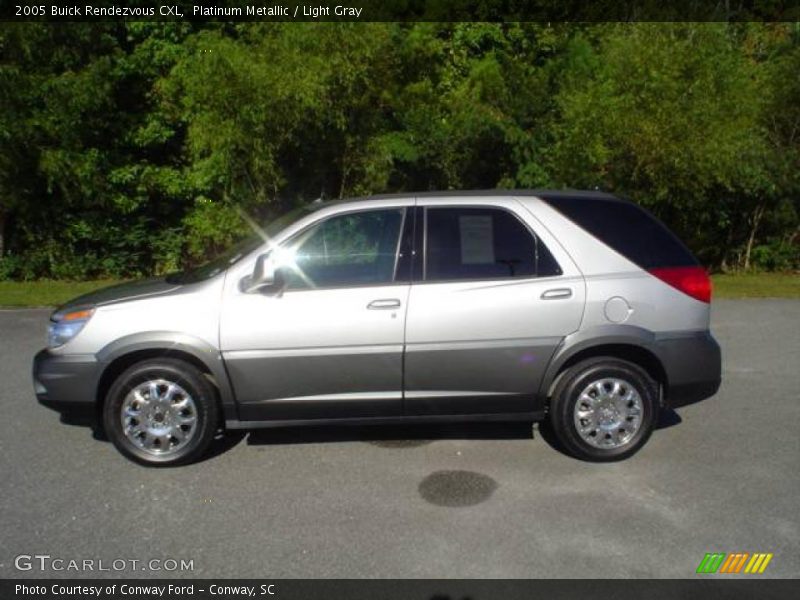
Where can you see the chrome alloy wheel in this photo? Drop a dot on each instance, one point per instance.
(608, 413)
(159, 416)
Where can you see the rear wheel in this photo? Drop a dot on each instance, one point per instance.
(604, 409)
(161, 412)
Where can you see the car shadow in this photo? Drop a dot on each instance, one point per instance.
(421, 432)
(668, 418)
(392, 436)
(89, 418)
(83, 417)
(222, 442)
(386, 436)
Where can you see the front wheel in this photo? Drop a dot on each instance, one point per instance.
(604, 409)
(161, 412)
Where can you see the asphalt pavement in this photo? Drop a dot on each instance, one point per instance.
(482, 500)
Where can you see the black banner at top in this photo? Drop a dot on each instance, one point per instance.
(403, 10)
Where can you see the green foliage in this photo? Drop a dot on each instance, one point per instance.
(210, 227)
(777, 255)
(129, 149)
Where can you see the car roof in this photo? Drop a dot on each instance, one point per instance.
(501, 192)
(539, 193)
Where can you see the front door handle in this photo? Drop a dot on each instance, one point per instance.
(384, 304)
(557, 294)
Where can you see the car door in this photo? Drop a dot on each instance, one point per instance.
(326, 341)
(490, 307)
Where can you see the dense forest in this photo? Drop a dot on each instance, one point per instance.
(135, 148)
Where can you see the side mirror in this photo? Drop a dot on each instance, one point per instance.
(263, 275)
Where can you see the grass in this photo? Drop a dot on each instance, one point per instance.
(45, 293)
(53, 293)
(757, 285)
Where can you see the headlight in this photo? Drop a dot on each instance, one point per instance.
(66, 325)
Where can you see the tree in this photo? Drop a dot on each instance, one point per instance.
(137, 148)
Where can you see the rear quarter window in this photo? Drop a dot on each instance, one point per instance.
(626, 228)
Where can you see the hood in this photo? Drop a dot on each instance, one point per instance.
(119, 293)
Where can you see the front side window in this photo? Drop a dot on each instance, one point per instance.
(482, 243)
(351, 249)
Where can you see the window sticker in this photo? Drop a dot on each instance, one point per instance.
(477, 240)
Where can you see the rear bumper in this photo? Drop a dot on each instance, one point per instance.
(64, 381)
(693, 366)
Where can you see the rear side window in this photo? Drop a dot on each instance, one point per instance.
(482, 243)
(628, 229)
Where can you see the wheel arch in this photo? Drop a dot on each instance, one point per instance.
(127, 351)
(629, 343)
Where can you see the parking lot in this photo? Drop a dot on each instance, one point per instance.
(488, 500)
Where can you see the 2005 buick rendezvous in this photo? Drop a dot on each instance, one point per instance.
(574, 307)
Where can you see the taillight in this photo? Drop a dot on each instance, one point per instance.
(692, 281)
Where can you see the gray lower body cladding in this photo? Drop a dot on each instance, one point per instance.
(691, 362)
(458, 378)
(305, 386)
(693, 366)
(428, 379)
(64, 381)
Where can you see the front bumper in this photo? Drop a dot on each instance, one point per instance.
(693, 366)
(65, 380)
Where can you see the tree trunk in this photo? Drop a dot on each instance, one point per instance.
(345, 173)
(726, 251)
(754, 222)
(2, 232)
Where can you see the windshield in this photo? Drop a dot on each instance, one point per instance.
(241, 249)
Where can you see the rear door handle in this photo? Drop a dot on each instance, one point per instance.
(384, 304)
(557, 294)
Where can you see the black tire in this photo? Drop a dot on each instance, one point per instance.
(204, 410)
(567, 395)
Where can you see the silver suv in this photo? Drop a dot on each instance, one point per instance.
(575, 308)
